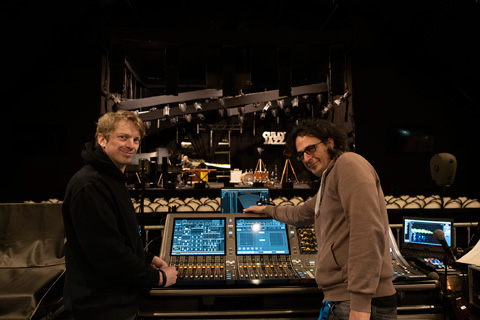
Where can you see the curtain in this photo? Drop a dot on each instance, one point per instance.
(205, 143)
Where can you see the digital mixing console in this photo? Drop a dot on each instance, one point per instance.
(261, 267)
(236, 247)
(232, 248)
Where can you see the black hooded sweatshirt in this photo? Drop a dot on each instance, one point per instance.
(107, 270)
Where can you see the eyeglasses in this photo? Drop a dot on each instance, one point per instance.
(308, 150)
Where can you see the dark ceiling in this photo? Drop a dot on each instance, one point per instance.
(255, 38)
(260, 38)
(187, 42)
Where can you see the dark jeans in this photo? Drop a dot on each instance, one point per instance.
(384, 308)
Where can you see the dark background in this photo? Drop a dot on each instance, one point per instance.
(414, 66)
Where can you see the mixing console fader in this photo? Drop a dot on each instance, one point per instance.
(234, 248)
(402, 270)
(199, 268)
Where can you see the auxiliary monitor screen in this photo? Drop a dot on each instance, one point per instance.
(198, 236)
(235, 200)
(419, 232)
(261, 236)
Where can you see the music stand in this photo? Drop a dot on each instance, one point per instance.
(285, 171)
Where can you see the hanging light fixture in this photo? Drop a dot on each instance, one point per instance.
(267, 106)
(221, 101)
(166, 111)
(183, 107)
(295, 102)
(241, 110)
(320, 98)
(280, 103)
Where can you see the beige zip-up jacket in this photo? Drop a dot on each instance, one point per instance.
(352, 230)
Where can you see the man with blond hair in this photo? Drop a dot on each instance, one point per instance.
(107, 269)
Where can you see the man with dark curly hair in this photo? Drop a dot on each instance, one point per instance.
(353, 265)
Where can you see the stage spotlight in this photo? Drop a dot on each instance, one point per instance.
(197, 106)
(274, 112)
(320, 98)
(221, 112)
(268, 104)
(327, 108)
(201, 116)
(287, 111)
(280, 103)
(295, 102)
(241, 119)
(166, 111)
(174, 121)
(263, 115)
(222, 102)
(341, 98)
(241, 110)
(188, 117)
(182, 107)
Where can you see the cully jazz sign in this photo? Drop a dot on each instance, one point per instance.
(272, 137)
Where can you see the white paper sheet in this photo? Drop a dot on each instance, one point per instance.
(472, 257)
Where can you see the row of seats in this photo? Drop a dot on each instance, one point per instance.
(430, 202)
(206, 204)
(176, 204)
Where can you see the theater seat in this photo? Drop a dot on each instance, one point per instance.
(205, 208)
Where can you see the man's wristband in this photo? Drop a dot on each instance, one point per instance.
(164, 277)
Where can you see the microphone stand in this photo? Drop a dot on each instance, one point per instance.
(445, 286)
(457, 307)
(143, 179)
